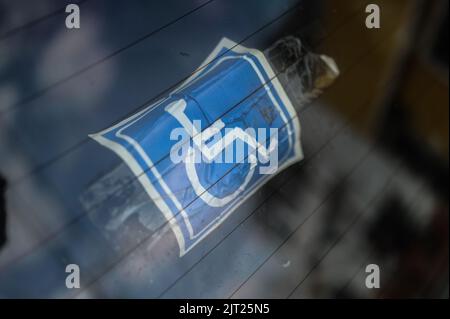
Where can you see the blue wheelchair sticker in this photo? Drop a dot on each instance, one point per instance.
(211, 143)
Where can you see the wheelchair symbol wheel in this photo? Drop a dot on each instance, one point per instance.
(177, 110)
(203, 193)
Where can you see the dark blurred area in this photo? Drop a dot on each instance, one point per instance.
(2, 211)
(373, 188)
(416, 130)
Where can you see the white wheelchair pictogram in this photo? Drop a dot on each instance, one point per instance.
(211, 150)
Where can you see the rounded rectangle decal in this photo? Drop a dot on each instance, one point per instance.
(216, 139)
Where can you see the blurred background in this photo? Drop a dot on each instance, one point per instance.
(372, 189)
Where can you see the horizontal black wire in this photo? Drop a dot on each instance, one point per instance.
(80, 217)
(267, 198)
(225, 113)
(74, 220)
(165, 157)
(252, 213)
(382, 190)
(308, 273)
(328, 250)
(286, 240)
(161, 227)
(41, 92)
(204, 256)
(36, 21)
(74, 147)
(195, 263)
(145, 239)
